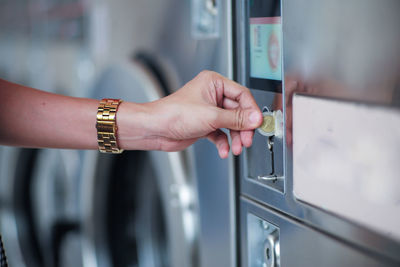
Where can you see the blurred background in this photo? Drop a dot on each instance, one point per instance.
(80, 208)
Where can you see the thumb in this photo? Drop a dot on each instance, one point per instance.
(239, 119)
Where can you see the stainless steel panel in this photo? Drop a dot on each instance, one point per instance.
(216, 207)
(339, 51)
(260, 166)
(343, 50)
(300, 245)
(345, 160)
(263, 247)
(185, 55)
(328, 51)
(114, 31)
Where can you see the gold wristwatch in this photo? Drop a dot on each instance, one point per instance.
(107, 127)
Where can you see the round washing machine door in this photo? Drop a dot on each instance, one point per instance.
(40, 207)
(139, 207)
(55, 192)
(16, 218)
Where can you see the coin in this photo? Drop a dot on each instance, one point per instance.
(268, 125)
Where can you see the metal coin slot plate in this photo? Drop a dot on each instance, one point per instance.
(263, 242)
(263, 161)
(271, 127)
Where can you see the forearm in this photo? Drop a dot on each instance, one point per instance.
(33, 118)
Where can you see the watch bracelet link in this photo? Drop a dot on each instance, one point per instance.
(107, 127)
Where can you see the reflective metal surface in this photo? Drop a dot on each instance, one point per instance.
(345, 160)
(340, 52)
(332, 50)
(263, 242)
(263, 162)
(192, 192)
(345, 51)
(187, 56)
(300, 245)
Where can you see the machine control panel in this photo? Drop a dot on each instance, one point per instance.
(264, 45)
(261, 71)
(321, 167)
(272, 127)
(263, 162)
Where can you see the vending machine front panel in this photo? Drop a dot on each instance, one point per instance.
(272, 239)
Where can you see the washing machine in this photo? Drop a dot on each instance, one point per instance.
(82, 208)
(192, 36)
(319, 186)
(197, 35)
(40, 213)
(39, 187)
(187, 198)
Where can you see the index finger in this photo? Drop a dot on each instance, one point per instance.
(237, 92)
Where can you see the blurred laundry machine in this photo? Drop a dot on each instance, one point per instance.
(82, 208)
(319, 186)
(43, 47)
(182, 213)
(40, 213)
(196, 36)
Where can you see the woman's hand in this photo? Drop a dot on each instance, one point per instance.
(199, 109)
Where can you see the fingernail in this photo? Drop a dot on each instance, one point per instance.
(254, 117)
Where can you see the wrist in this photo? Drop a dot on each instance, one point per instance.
(136, 126)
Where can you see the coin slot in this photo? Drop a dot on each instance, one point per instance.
(271, 128)
(264, 160)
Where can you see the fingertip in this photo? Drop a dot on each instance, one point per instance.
(223, 151)
(255, 118)
(223, 154)
(237, 149)
(247, 138)
(248, 142)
